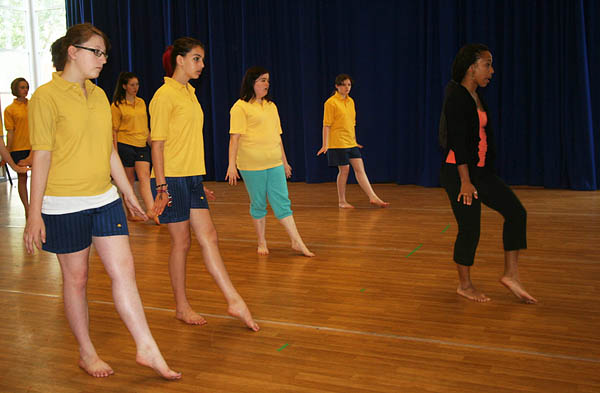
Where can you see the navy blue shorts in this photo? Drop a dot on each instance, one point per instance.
(187, 193)
(338, 157)
(19, 155)
(130, 154)
(72, 232)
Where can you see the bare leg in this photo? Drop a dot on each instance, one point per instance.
(142, 169)
(342, 179)
(363, 182)
(74, 268)
(22, 186)
(180, 246)
(130, 172)
(207, 237)
(118, 262)
(465, 286)
(297, 244)
(259, 225)
(510, 278)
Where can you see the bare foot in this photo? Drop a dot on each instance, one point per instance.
(190, 317)
(472, 294)
(514, 285)
(379, 203)
(154, 360)
(301, 247)
(262, 249)
(239, 310)
(96, 367)
(345, 205)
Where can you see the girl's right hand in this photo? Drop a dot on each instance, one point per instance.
(322, 151)
(35, 233)
(467, 193)
(161, 201)
(232, 175)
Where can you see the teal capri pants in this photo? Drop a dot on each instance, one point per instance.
(267, 183)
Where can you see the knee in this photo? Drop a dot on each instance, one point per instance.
(209, 237)
(75, 280)
(344, 170)
(469, 233)
(181, 244)
(258, 209)
(282, 210)
(522, 214)
(518, 216)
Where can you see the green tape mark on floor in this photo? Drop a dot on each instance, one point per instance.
(285, 345)
(447, 226)
(413, 251)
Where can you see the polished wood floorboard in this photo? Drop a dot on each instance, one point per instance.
(375, 311)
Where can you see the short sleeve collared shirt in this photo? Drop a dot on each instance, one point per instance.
(77, 130)
(176, 118)
(131, 121)
(260, 129)
(15, 119)
(340, 115)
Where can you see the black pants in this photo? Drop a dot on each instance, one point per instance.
(494, 193)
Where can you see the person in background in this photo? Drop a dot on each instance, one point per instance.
(256, 149)
(339, 142)
(131, 136)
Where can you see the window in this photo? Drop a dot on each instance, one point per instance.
(28, 28)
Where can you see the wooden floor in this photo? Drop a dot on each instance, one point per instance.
(375, 311)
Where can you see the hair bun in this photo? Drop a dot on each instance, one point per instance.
(166, 61)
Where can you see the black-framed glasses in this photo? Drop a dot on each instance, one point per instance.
(97, 52)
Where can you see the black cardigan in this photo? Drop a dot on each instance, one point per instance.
(459, 127)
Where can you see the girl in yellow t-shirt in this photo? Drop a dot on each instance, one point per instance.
(17, 136)
(178, 165)
(73, 203)
(339, 142)
(131, 136)
(256, 149)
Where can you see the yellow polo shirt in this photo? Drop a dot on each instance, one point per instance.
(77, 130)
(260, 129)
(131, 121)
(176, 117)
(340, 115)
(15, 119)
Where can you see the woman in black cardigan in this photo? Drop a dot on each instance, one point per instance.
(468, 176)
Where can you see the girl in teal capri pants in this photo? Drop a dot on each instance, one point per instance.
(256, 149)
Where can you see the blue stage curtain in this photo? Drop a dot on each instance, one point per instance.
(544, 97)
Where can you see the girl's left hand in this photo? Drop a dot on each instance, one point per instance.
(210, 195)
(288, 170)
(134, 206)
(359, 146)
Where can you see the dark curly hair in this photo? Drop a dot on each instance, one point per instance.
(466, 56)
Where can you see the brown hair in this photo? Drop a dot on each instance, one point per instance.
(340, 79)
(14, 85)
(180, 47)
(247, 89)
(76, 35)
